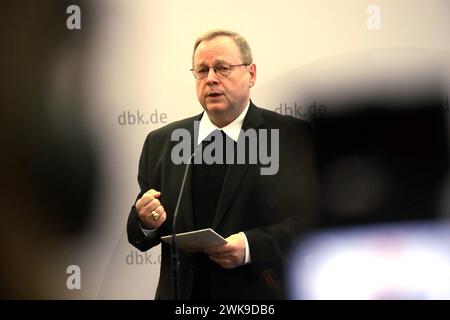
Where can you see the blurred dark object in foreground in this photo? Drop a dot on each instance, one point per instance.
(49, 161)
(381, 160)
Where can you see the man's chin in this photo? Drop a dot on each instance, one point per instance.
(218, 107)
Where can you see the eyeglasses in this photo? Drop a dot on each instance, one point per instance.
(221, 70)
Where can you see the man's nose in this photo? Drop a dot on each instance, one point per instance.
(212, 77)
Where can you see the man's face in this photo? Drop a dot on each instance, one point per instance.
(223, 98)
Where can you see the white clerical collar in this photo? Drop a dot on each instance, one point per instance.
(232, 130)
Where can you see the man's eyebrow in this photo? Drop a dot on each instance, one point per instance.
(216, 62)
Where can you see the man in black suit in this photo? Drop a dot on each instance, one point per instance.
(259, 214)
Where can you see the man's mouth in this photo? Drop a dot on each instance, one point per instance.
(214, 94)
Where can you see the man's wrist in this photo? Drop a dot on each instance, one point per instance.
(146, 231)
(247, 258)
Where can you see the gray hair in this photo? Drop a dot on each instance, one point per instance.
(244, 48)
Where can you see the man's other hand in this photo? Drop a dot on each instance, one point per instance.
(231, 254)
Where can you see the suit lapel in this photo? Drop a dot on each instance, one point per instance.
(186, 204)
(235, 173)
(186, 221)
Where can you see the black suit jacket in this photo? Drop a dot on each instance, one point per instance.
(271, 210)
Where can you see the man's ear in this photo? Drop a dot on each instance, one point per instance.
(252, 70)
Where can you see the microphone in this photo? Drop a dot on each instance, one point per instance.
(175, 259)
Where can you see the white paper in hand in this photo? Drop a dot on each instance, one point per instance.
(196, 240)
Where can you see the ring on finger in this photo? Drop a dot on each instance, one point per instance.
(155, 215)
